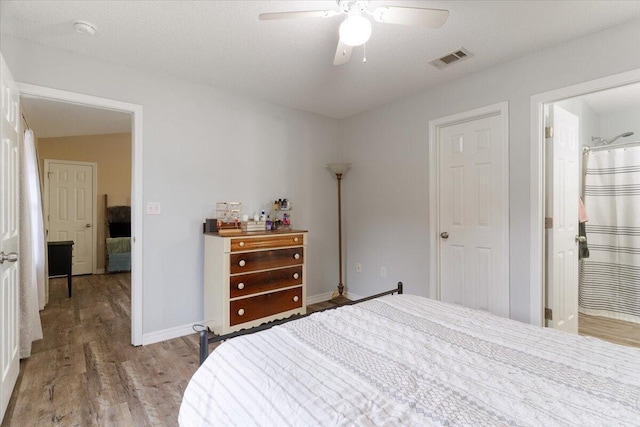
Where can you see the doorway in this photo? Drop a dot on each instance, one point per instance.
(469, 209)
(135, 113)
(600, 107)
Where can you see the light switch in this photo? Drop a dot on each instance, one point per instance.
(153, 208)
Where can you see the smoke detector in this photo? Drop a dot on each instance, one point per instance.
(84, 27)
(450, 58)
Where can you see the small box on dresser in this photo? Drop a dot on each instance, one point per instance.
(253, 277)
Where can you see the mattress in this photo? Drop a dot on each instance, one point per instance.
(407, 360)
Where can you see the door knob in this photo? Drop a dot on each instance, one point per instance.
(88, 225)
(444, 235)
(11, 257)
(581, 239)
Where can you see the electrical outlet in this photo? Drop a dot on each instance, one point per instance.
(383, 272)
(358, 268)
(153, 208)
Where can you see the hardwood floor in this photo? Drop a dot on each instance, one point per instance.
(616, 331)
(85, 371)
(326, 304)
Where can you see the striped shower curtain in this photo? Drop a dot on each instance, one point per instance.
(610, 277)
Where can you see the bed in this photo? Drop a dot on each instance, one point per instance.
(408, 360)
(117, 237)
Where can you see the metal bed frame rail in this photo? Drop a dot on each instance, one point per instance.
(205, 340)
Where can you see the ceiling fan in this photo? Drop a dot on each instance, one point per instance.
(355, 30)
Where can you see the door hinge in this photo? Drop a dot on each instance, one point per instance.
(548, 314)
(548, 132)
(548, 223)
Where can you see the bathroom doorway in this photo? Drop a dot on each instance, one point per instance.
(596, 282)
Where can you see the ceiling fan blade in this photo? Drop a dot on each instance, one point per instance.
(296, 15)
(432, 18)
(343, 54)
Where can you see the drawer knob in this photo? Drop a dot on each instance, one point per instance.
(241, 312)
(242, 263)
(296, 275)
(240, 285)
(241, 244)
(295, 299)
(295, 239)
(296, 256)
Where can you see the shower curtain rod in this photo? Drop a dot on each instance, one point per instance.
(610, 147)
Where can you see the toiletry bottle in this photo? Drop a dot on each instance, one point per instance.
(268, 223)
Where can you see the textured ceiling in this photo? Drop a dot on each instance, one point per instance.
(50, 119)
(223, 44)
(614, 100)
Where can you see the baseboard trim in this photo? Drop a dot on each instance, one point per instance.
(352, 296)
(314, 299)
(168, 334)
(100, 271)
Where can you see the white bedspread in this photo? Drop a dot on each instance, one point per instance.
(407, 360)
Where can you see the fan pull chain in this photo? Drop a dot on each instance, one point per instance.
(364, 53)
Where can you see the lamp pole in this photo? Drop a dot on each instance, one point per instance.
(340, 284)
(339, 169)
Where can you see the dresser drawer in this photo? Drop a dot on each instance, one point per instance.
(263, 260)
(253, 283)
(252, 308)
(266, 242)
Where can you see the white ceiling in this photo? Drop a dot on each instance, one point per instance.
(50, 119)
(614, 100)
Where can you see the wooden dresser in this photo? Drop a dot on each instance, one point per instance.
(252, 278)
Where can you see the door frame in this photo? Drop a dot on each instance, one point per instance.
(537, 182)
(502, 109)
(94, 216)
(136, 185)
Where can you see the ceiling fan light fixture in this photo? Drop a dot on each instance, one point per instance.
(355, 30)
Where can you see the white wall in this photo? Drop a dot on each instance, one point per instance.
(613, 124)
(203, 145)
(386, 192)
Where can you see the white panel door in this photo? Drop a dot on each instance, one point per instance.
(9, 296)
(563, 151)
(71, 204)
(473, 215)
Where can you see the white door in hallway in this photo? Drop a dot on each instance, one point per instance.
(473, 213)
(71, 187)
(562, 156)
(9, 236)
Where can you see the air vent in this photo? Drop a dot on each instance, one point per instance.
(450, 58)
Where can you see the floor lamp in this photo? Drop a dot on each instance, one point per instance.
(339, 169)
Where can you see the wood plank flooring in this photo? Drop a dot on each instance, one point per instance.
(615, 331)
